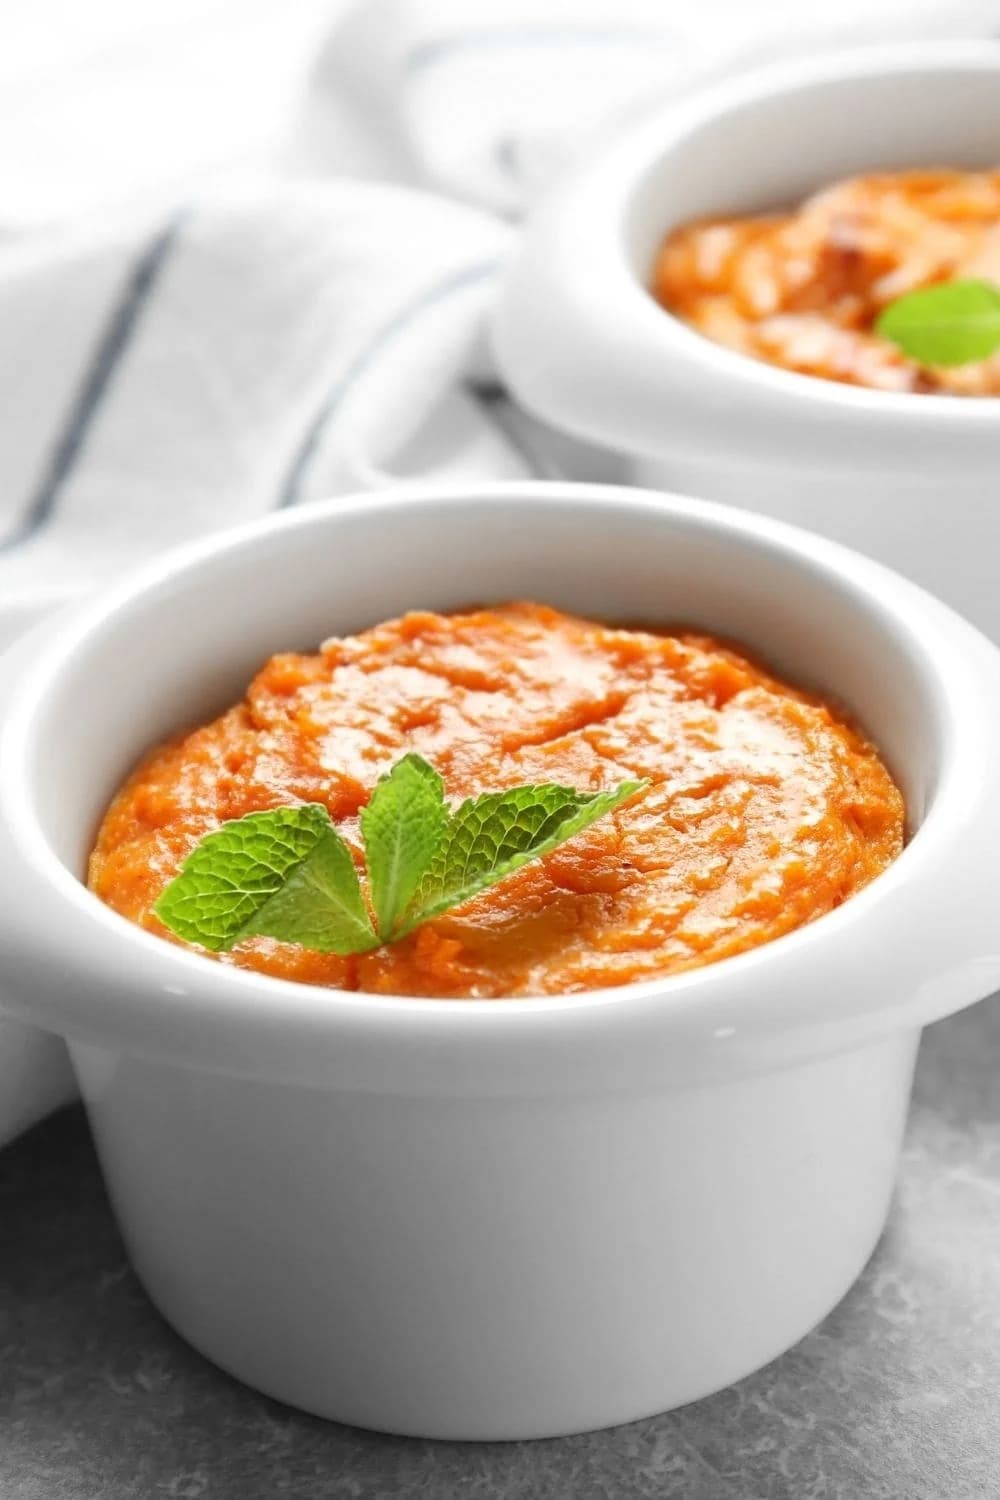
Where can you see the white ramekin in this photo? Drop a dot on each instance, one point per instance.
(911, 480)
(500, 1218)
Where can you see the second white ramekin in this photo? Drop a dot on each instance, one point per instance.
(910, 480)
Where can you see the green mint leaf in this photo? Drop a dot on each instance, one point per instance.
(402, 826)
(288, 874)
(285, 874)
(953, 323)
(490, 836)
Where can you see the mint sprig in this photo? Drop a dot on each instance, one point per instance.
(951, 323)
(403, 826)
(491, 836)
(288, 874)
(285, 874)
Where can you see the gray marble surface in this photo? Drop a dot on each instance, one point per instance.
(895, 1397)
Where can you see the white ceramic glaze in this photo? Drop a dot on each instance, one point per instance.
(35, 1073)
(501, 1218)
(911, 480)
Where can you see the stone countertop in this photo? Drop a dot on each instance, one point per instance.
(895, 1397)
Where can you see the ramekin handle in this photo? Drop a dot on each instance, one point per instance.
(968, 929)
(35, 1073)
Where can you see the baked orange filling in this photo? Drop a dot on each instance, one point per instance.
(804, 290)
(766, 807)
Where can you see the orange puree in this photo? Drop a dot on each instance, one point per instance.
(766, 807)
(804, 289)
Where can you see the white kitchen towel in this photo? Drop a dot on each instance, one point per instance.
(487, 100)
(170, 371)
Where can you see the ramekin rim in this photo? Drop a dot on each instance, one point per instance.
(225, 985)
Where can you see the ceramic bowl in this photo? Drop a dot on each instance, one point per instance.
(515, 1218)
(908, 479)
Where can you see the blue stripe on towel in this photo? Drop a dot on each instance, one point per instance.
(499, 410)
(118, 332)
(291, 491)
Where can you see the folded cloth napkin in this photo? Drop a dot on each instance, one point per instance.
(488, 101)
(167, 373)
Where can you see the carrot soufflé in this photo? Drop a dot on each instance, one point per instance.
(805, 289)
(762, 806)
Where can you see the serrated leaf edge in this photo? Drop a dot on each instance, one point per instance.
(387, 930)
(597, 805)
